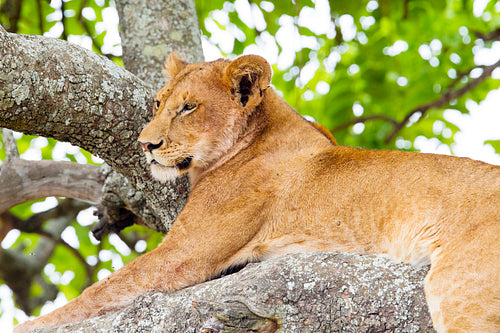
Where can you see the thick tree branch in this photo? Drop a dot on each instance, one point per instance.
(56, 89)
(24, 181)
(308, 292)
(445, 99)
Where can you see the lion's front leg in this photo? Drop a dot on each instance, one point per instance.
(175, 264)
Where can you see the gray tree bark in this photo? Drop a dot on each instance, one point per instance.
(31, 180)
(53, 88)
(56, 89)
(313, 292)
(151, 30)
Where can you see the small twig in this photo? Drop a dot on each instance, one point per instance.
(88, 269)
(64, 35)
(12, 9)
(363, 120)
(10, 144)
(461, 75)
(33, 224)
(406, 6)
(40, 17)
(492, 35)
(445, 99)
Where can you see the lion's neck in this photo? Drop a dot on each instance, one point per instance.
(273, 125)
(250, 128)
(289, 130)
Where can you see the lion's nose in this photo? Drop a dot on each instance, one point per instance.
(149, 146)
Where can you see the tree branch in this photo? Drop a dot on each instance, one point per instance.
(445, 99)
(363, 120)
(492, 35)
(24, 181)
(358, 294)
(19, 271)
(6, 225)
(63, 91)
(64, 34)
(9, 144)
(12, 9)
(56, 89)
(41, 17)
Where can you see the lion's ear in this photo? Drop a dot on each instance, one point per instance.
(247, 77)
(173, 65)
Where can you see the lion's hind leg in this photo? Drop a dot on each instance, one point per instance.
(463, 289)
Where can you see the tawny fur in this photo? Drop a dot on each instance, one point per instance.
(266, 182)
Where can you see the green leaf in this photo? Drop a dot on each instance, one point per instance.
(495, 144)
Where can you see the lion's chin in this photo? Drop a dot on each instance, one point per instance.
(165, 174)
(169, 173)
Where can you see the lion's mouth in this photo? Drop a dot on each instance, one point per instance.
(185, 163)
(182, 165)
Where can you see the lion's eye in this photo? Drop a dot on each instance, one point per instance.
(156, 106)
(188, 107)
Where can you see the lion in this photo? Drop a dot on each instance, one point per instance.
(265, 182)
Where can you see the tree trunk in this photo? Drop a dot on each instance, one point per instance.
(151, 30)
(56, 89)
(314, 292)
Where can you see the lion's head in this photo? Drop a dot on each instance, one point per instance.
(202, 112)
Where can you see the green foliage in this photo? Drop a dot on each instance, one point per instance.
(371, 62)
(494, 143)
(396, 57)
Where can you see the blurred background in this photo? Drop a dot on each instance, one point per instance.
(416, 75)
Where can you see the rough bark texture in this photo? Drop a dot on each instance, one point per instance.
(31, 180)
(316, 292)
(172, 25)
(56, 89)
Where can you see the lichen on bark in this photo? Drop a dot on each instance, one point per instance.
(172, 26)
(56, 89)
(308, 292)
